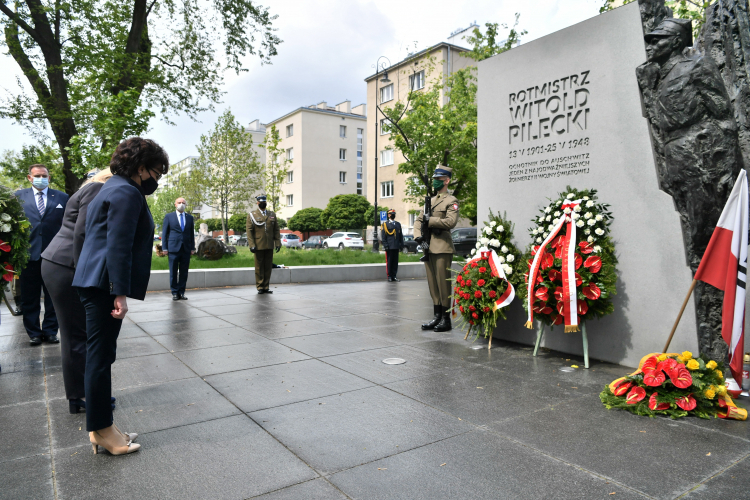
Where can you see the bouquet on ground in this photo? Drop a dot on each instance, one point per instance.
(571, 261)
(674, 385)
(485, 285)
(14, 237)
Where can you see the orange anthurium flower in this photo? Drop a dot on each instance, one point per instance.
(652, 404)
(687, 403)
(636, 394)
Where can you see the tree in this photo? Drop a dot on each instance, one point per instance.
(275, 169)
(695, 10)
(306, 221)
(227, 170)
(161, 203)
(484, 45)
(238, 223)
(97, 68)
(14, 167)
(345, 211)
(370, 213)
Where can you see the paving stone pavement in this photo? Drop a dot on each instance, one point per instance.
(285, 396)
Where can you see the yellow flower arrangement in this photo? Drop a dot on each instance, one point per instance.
(662, 357)
(719, 374)
(680, 360)
(692, 365)
(687, 355)
(721, 390)
(710, 393)
(711, 365)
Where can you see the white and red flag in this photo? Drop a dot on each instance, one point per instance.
(724, 265)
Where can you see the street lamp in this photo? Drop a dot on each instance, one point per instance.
(378, 67)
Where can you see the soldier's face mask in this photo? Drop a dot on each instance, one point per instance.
(438, 184)
(391, 216)
(262, 205)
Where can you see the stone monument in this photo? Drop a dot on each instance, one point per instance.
(566, 110)
(696, 128)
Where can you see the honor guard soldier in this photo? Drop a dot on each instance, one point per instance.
(263, 236)
(433, 230)
(393, 242)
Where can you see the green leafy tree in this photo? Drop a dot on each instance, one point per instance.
(14, 167)
(485, 45)
(238, 223)
(227, 170)
(695, 10)
(97, 68)
(275, 169)
(281, 222)
(306, 221)
(162, 203)
(345, 211)
(370, 213)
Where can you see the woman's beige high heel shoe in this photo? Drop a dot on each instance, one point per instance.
(129, 436)
(113, 441)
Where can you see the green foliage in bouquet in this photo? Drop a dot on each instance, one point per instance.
(674, 385)
(14, 237)
(477, 287)
(595, 259)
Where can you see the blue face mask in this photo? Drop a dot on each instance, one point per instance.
(40, 182)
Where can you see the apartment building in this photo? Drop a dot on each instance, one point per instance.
(326, 147)
(412, 73)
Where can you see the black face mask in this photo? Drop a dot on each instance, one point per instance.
(149, 185)
(262, 205)
(392, 216)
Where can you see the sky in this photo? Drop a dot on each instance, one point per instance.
(329, 47)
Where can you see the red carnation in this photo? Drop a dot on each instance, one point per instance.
(461, 308)
(493, 294)
(466, 267)
(482, 269)
(457, 289)
(636, 394)
(473, 264)
(475, 315)
(653, 405)
(468, 283)
(481, 282)
(471, 322)
(687, 403)
(472, 308)
(478, 294)
(486, 309)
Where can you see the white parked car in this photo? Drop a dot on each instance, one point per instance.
(290, 240)
(344, 240)
(234, 238)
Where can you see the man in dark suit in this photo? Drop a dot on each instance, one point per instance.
(178, 240)
(393, 241)
(44, 208)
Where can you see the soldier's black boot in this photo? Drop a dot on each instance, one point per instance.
(445, 322)
(435, 320)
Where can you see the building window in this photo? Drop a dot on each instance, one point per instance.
(290, 177)
(342, 154)
(290, 130)
(386, 93)
(416, 81)
(412, 218)
(386, 157)
(290, 200)
(290, 154)
(360, 141)
(342, 131)
(383, 125)
(342, 177)
(386, 189)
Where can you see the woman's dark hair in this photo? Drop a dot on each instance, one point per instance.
(131, 153)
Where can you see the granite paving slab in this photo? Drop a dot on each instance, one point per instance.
(24, 431)
(36, 473)
(476, 465)
(147, 370)
(238, 357)
(355, 321)
(342, 431)
(228, 458)
(627, 448)
(317, 489)
(731, 483)
(138, 346)
(163, 327)
(279, 385)
(331, 344)
(402, 333)
(226, 300)
(294, 328)
(131, 331)
(211, 338)
(265, 315)
(171, 312)
(21, 387)
(18, 360)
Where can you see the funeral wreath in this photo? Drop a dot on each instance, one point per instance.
(14, 237)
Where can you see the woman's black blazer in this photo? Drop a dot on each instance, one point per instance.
(65, 247)
(116, 254)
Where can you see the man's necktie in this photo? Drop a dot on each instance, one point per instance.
(40, 204)
(182, 221)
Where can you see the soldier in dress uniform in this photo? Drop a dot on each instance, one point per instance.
(263, 236)
(443, 218)
(393, 242)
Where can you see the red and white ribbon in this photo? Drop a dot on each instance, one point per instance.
(570, 302)
(497, 270)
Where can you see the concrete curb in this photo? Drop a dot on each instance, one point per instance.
(243, 276)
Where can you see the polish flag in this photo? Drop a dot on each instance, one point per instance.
(724, 265)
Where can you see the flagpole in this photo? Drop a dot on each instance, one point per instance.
(679, 316)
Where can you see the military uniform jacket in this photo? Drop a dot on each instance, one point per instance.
(263, 230)
(444, 218)
(391, 235)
